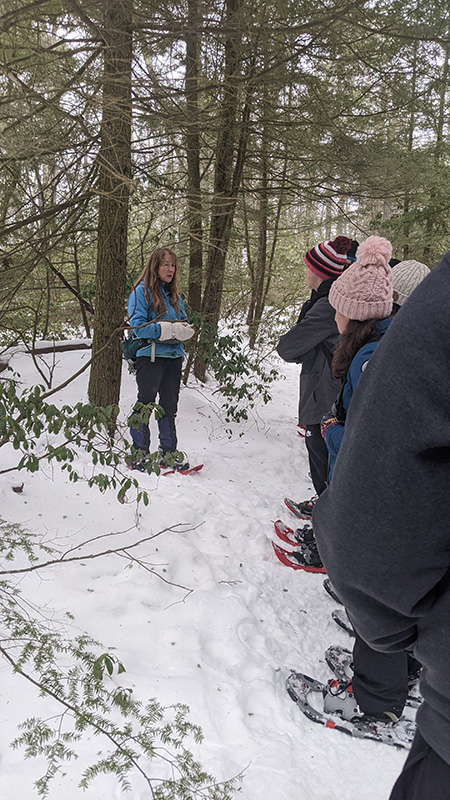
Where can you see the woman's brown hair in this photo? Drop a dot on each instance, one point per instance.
(356, 335)
(152, 282)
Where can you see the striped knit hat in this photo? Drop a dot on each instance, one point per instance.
(327, 259)
(364, 290)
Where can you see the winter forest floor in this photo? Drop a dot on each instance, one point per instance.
(219, 629)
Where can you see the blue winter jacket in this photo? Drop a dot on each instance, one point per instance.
(335, 433)
(142, 314)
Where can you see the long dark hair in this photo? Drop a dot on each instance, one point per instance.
(152, 282)
(356, 335)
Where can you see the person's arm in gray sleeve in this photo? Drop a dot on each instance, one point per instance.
(316, 327)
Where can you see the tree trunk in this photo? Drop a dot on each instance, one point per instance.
(82, 301)
(251, 269)
(114, 187)
(410, 145)
(261, 257)
(438, 153)
(263, 284)
(221, 226)
(262, 271)
(194, 198)
(226, 185)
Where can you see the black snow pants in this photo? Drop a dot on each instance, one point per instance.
(161, 377)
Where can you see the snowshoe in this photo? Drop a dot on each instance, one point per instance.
(414, 698)
(301, 510)
(341, 618)
(306, 558)
(141, 465)
(175, 461)
(303, 535)
(334, 706)
(187, 471)
(329, 588)
(340, 661)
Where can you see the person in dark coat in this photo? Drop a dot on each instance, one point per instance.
(311, 343)
(382, 526)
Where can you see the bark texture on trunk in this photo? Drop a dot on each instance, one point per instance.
(114, 189)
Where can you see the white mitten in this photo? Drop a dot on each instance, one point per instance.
(167, 331)
(182, 331)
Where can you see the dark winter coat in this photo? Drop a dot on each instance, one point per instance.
(311, 343)
(359, 363)
(383, 524)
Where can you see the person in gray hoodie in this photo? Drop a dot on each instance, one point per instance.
(382, 527)
(311, 343)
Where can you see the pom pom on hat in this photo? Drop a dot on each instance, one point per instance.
(406, 275)
(374, 250)
(364, 290)
(327, 259)
(341, 244)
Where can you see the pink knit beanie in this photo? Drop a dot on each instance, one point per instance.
(364, 290)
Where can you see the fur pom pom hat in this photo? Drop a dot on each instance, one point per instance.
(327, 259)
(406, 275)
(364, 290)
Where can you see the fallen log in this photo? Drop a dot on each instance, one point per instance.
(60, 347)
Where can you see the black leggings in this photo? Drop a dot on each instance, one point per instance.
(163, 377)
(318, 457)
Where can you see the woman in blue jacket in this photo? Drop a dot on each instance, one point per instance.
(157, 315)
(361, 336)
(349, 365)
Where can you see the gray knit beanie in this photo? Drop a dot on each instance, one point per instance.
(406, 275)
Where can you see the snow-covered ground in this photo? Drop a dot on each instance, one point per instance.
(220, 628)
